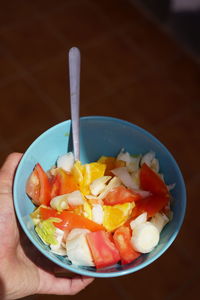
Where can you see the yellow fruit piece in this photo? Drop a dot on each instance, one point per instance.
(77, 172)
(91, 172)
(87, 210)
(116, 215)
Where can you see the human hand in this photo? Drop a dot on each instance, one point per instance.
(23, 270)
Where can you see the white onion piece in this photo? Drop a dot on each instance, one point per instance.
(139, 220)
(147, 158)
(60, 202)
(66, 161)
(123, 174)
(75, 198)
(113, 183)
(132, 163)
(97, 213)
(98, 185)
(159, 220)
(77, 247)
(145, 237)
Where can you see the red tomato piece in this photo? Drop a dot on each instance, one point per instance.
(120, 195)
(38, 187)
(69, 220)
(122, 240)
(151, 205)
(104, 251)
(63, 183)
(150, 181)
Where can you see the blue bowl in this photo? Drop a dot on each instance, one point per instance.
(98, 136)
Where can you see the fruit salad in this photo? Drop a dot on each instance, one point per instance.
(100, 213)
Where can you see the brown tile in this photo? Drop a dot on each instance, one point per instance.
(30, 42)
(78, 22)
(9, 68)
(188, 241)
(23, 112)
(189, 290)
(161, 278)
(146, 100)
(15, 11)
(154, 44)
(115, 61)
(53, 79)
(45, 6)
(181, 136)
(118, 12)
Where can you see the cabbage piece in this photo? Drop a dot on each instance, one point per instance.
(58, 248)
(47, 231)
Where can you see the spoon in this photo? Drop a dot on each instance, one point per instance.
(74, 79)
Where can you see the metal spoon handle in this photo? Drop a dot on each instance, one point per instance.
(74, 78)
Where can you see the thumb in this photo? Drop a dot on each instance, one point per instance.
(7, 172)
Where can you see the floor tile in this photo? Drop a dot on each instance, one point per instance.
(118, 12)
(78, 23)
(181, 136)
(13, 12)
(23, 111)
(53, 79)
(30, 42)
(115, 61)
(160, 279)
(9, 69)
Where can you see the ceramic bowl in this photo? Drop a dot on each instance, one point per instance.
(98, 136)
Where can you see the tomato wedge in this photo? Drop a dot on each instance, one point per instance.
(38, 187)
(62, 183)
(69, 220)
(104, 251)
(122, 240)
(150, 181)
(151, 205)
(120, 195)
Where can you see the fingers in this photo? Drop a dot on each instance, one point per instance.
(63, 286)
(7, 172)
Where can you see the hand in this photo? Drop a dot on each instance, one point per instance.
(23, 270)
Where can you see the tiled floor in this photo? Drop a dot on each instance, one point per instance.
(130, 70)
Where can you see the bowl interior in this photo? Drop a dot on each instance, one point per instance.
(98, 136)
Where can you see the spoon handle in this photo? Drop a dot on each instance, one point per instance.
(74, 78)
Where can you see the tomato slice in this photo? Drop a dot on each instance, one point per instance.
(122, 240)
(38, 187)
(62, 183)
(120, 195)
(104, 251)
(151, 205)
(69, 220)
(150, 181)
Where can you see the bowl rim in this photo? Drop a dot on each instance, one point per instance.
(86, 272)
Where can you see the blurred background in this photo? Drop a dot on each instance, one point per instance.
(140, 63)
